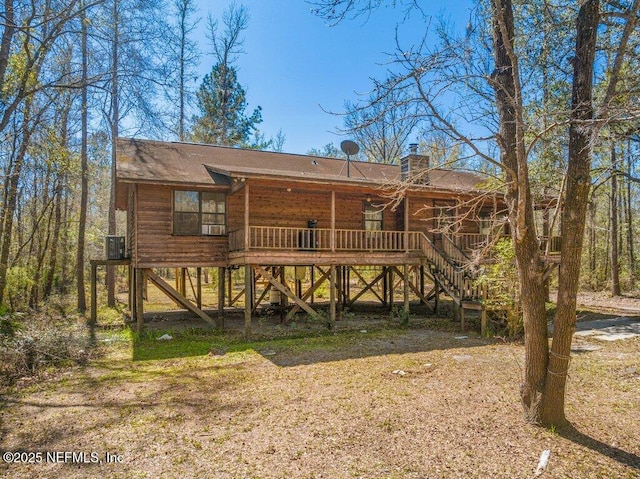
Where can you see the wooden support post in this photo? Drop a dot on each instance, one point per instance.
(347, 285)
(283, 280)
(406, 273)
(230, 287)
(406, 224)
(436, 298)
(307, 295)
(254, 281)
(483, 311)
(332, 298)
(199, 287)
(422, 280)
(247, 230)
(391, 285)
(339, 294)
(313, 281)
(94, 294)
(385, 286)
(222, 274)
(130, 297)
(333, 220)
(178, 298)
(132, 294)
(248, 295)
(285, 290)
(139, 274)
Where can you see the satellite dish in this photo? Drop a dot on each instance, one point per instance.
(349, 147)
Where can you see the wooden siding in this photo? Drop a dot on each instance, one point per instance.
(271, 204)
(275, 206)
(157, 246)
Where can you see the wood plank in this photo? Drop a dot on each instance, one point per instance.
(221, 288)
(405, 277)
(139, 276)
(368, 286)
(248, 297)
(332, 298)
(173, 294)
(308, 294)
(285, 290)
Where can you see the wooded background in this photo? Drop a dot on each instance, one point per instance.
(75, 74)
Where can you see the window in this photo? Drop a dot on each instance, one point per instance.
(485, 222)
(443, 216)
(372, 217)
(199, 213)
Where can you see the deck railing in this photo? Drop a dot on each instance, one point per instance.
(473, 241)
(461, 284)
(448, 267)
(319, 239)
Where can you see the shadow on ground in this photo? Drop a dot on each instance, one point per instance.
(612, 452)
(305, 341)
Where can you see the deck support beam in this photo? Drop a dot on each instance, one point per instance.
(405, 275)
(248, 299)
(309, 294)
(199, 287)
(172, 293)
(139, 280)
(285, 290)
(332, 297)
(369, 286)
(333, 220)
(247, 230)
(390, 286)
(222, 274)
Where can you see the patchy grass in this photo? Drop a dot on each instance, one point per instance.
(389, 403)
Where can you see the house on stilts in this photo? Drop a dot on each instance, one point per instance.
(202, 206)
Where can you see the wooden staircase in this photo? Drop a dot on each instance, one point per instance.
(448, 267)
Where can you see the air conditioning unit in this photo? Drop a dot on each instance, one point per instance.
(114, 247)
(214, 230)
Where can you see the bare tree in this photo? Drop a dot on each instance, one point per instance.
(221, 98)
(494, 94)
(185, 55)
(382, 132)
(84, 164)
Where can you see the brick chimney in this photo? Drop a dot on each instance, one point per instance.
(415, 167)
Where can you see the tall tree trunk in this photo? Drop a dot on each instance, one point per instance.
(41, 234)
(593, 279)
(7, 37)
(66, 278)
(615, 230)
(115, 107)
(12, 198)
(183, 47)
(84, 170)
(57, 222)
(629, 219)
(518, 196)
(573, 213)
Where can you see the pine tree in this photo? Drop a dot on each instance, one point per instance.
(222, 103)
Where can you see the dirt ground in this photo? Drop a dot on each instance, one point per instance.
(385, 402)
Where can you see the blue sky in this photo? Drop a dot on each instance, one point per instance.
(296, 64)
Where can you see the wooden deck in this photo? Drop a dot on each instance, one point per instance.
(270, 245)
